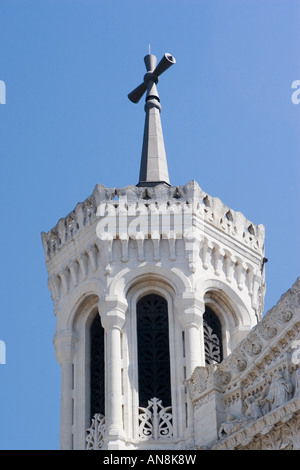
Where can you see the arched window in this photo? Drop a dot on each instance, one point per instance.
(212, 337)
(97, 367)
(153, 350)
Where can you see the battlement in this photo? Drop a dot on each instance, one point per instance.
(132, 201)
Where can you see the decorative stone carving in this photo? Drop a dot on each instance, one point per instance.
(155, 421)
(291, 433)
(267, 330)
(257, 387)
(230, 426)
(252, 345)
(279, 391)
(297, 383)
(238, 361)
(252, 407)
(285, 316)
(198, 381)
(212, 348)
(95, 434)
(214, 212)
(222, 376)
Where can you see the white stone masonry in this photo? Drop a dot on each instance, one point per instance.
(120, 244)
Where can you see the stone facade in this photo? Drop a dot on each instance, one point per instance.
(114, 248)
(251, 400)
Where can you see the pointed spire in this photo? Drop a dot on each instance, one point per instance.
(154, 168)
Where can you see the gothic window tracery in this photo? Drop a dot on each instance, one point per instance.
(212, 337)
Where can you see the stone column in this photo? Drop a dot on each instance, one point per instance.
(190, 315)
(64, 342)
(112, 312)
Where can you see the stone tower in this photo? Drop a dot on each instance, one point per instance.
(149, 283)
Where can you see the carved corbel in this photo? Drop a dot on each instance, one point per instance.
(92, 254)
(124, 244)
(53, 285)
(140, 246)
(229, 263)
(192, 248)
(107, 253)
(256, 287)
(155, 237)
(82, 260)
(206, 248)
(217, 255)
(64, 276)
(240, 269)
(250, 278)
(74, 272)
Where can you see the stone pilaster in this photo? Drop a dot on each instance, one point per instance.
(112, 312)
(190, 315)
(65, 343)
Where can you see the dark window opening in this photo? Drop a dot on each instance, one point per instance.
(212, 337)
(97, 367)
(153, 350)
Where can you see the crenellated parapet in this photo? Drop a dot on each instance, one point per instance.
(136, 201)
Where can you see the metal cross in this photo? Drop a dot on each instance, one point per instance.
(151, 77)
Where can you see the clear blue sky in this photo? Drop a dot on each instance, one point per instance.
(228, 121)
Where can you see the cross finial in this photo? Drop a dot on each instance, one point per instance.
(154, 169)
(152, 74)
